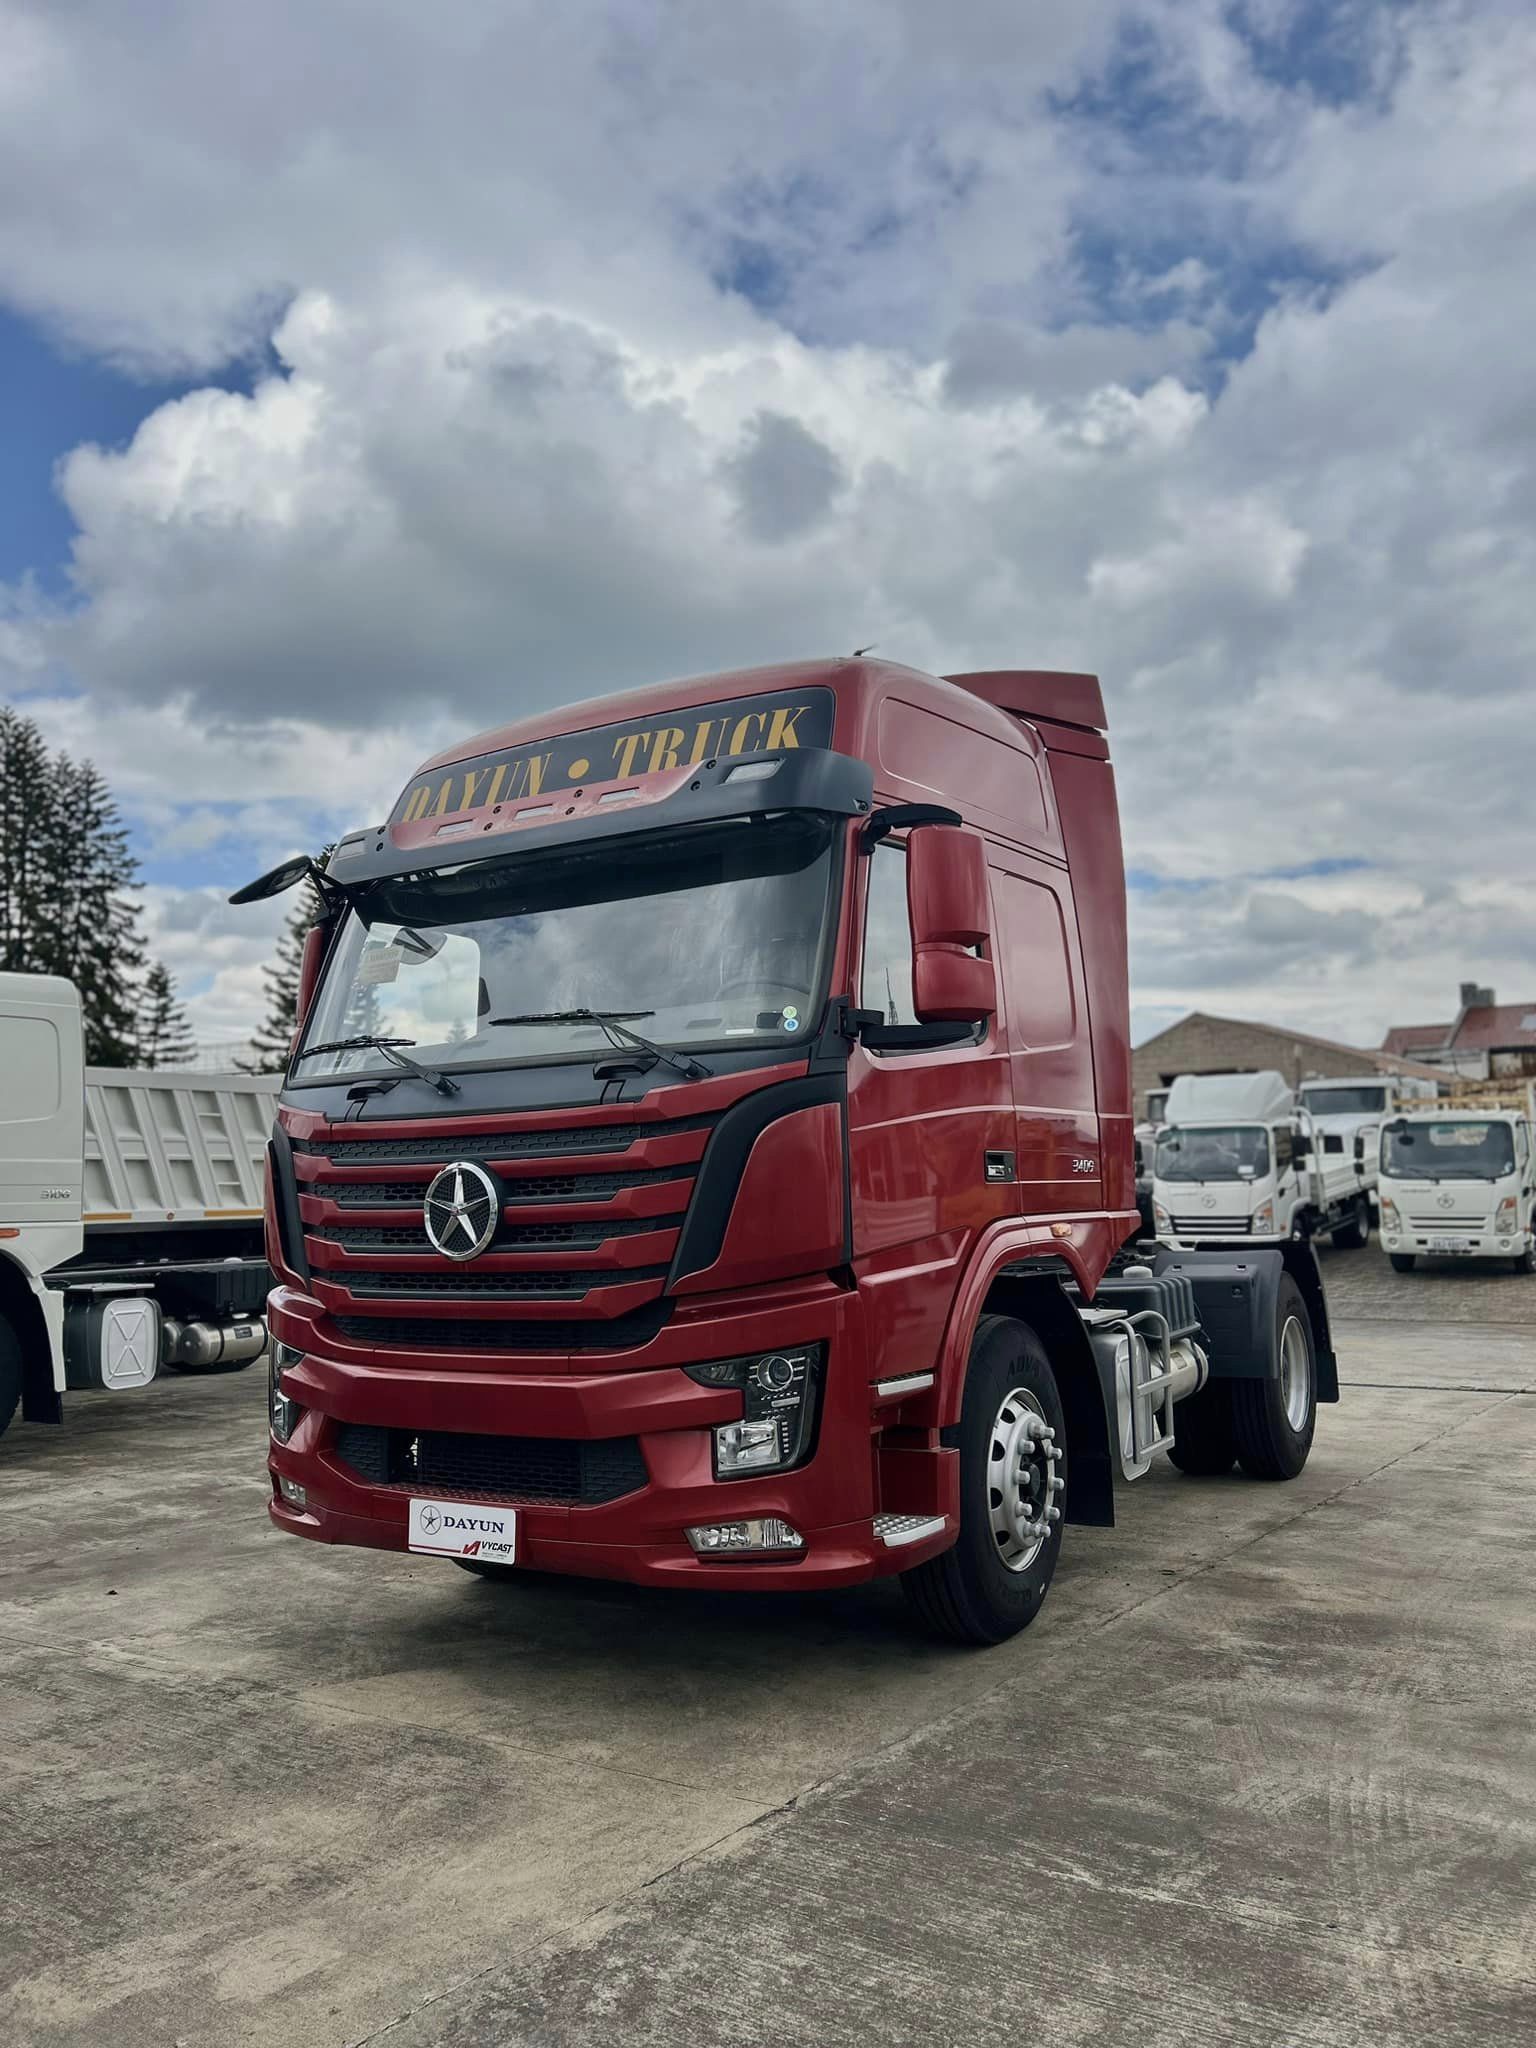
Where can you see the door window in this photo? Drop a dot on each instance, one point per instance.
(886, 984)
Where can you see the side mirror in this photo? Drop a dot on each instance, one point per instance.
(950, 910)
(1301, 1147)
(1359, 1148)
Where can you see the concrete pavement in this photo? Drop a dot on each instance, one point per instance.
(1263, 1772)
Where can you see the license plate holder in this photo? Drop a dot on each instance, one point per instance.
(1451, 1244)
(463, 1528)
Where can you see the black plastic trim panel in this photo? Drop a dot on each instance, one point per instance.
(720, 1170)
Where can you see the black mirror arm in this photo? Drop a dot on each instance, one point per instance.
(901, 817)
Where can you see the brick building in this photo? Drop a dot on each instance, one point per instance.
(1486, 1040)
(1200, 1044)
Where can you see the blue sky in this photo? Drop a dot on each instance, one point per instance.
(546, 359)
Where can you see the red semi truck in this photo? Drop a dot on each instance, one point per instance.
(707, 1158)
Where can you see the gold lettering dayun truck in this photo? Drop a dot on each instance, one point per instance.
(706, 1158)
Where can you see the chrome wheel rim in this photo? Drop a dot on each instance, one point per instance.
(1023, 1480)
(1295, 1374)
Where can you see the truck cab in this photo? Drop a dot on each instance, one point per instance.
(706, 1156)
(1225, 1165)
(1458, 1186)
(1237, 1160)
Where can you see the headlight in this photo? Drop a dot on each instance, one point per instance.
(1389, 1216)
(1161, 1218)
(779, 1391)
(1263, 1217)
(1508, 1210)
(283, 1411)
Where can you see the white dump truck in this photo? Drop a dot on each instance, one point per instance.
(130, 1212)
(1458, 1185)
(1237, 1160)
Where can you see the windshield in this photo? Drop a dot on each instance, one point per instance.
(1345, 1101)
(712, 935)
(1213, 1152)
(1449, 1151)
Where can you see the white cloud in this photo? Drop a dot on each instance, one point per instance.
(525, 447)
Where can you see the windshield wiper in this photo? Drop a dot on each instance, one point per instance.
(618, 1033)
(390, 1047)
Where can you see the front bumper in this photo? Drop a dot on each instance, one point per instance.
(1456, 1240)
(832, 1499)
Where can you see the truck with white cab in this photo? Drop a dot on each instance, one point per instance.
(130, 1212)
(1458, 1186)
(1237, 1160)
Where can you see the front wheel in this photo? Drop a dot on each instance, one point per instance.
(1273, 1420)
(1402, 1262)
(1525, 1262)
(1350, 1236)
(1013, 1476)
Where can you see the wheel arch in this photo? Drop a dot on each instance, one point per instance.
(1003, 1284)
(20, 1307)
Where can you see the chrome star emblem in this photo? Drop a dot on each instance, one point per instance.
(460, 1210)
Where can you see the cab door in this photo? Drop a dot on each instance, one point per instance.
(931, 1131)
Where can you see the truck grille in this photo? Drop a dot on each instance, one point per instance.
(501, 1333)
(509, 1468)
(454, 1282)
(524, 1237)
(613, 1225)
(535, 1144)
(1210, 1226)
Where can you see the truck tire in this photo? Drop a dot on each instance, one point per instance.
(1524, 1262)
(1350, 1236)
(10, 1374)
(1204, 1442)
(1402, 1262)
(1013, 1473)
(1273, 1420)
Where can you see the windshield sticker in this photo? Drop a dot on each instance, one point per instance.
(791, 1016)
(615, 753)
(379, 964)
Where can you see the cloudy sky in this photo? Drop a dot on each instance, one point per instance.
(373, 372)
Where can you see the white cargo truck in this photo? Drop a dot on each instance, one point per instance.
(1238, 1161)
(130, 1212)
(1351, 1107)
(1459, 1185)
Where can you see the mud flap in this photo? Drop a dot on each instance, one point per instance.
(1236, 1293)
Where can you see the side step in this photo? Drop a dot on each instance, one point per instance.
(894, 1530)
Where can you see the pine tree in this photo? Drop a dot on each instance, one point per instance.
(27, 819)
(67, 885)
(92, 922)
(165, 1037)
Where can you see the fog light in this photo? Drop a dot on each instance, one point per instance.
(762, 1533)
(292, 1492)
(778, 1409)
(283, 1411)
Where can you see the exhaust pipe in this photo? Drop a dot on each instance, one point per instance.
(198, 1346)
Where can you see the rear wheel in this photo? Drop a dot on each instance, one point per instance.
(1402, 1262)
(1273, 1420)
(10, 1374)
(1204, 1444)
(1013, 1475)
(1350, 1236)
